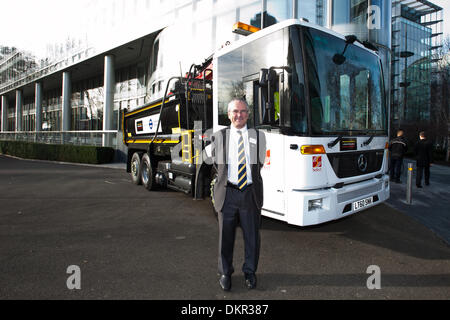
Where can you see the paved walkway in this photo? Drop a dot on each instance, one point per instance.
(430, 204)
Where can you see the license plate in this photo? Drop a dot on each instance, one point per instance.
(362, 203)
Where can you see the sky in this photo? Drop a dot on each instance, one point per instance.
(31, 25)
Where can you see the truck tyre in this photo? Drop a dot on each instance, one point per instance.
(136, 168)
(147, 173)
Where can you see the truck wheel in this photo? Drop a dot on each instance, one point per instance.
(211, 189)
(136, 169)
(147, 173)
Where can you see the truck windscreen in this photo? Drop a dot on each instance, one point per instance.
(346, 95)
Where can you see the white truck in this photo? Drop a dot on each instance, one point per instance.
(318, 97)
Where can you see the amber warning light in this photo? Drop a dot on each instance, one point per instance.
(314, 149)
(244, 29)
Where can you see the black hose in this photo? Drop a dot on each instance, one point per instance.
(162, 106)
(188, 98)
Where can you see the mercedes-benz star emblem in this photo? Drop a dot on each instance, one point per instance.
(362, 163)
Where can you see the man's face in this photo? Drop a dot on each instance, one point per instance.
(238, 115)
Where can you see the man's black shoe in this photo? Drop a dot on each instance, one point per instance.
(427, 183)
(225, 282)
(419, 186)
(250, 280)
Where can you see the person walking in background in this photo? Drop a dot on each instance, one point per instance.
(397, 148)
(423, 151)
(239, 153)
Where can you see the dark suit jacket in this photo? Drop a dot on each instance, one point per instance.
(220, 143)
(424, 151)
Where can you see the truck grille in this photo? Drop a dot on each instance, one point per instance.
(351, 164)
(344, 197)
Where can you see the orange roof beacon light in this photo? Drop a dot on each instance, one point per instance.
(244, 29)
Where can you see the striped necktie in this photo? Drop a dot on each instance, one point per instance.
(242, 164)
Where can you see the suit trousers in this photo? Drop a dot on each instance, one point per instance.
(420, 170)
(239, 207)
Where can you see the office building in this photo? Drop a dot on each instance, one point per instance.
(120, 59)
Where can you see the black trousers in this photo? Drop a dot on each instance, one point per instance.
(239, 207)
(420, 170)
(396, 168)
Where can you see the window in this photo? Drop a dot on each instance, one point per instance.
(239, 69)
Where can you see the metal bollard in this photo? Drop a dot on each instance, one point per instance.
(409, 184)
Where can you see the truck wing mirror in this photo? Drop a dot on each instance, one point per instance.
(263, 77)
(268, 81)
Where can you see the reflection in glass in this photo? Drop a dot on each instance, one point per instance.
(251, 13)
(310, 10)
(278, 9)
(239, 69)
(51, 110)
(87, 104)
(345, 98)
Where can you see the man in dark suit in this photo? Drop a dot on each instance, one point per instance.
(239, 154)
(398, 147)
(424, 151)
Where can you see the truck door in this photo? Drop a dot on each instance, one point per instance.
(260, 117)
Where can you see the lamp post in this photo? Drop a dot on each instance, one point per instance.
(405, 84)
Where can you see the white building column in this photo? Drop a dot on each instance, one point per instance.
(4, 123)
(38, 104)
(19, 108)
(109, 84)
(66, 96)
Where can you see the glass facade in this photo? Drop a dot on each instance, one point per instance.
(15, 65)
(51, 110)
(130, 90)
(87, 104)
(411, 71)
(209, 27)
(197, 28)
(11, 117)
(367, 19)
(29, 114)
(416, 39)
(191, 31)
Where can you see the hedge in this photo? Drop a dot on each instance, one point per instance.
(54, 152)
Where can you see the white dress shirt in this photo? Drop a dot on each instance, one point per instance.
(233, 155)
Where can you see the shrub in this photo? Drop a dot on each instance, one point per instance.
(53, 152)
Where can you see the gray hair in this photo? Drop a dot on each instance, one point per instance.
(232, 102)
